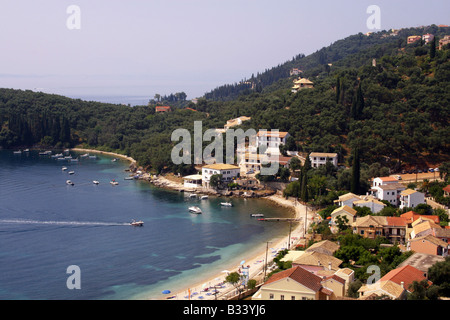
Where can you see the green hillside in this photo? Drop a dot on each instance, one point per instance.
(400, 115)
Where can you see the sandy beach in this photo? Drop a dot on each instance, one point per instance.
(117, 155)
(255, 260)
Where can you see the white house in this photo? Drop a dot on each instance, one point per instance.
(410, 198)
(271, 140)
(228, 172)
(347, 199)
(320, 158)
(193, 181)
(388, 189)
(373, 204)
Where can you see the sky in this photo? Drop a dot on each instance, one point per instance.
(144, 47)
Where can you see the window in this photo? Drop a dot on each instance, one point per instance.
(292, 297)
(282, 297)
(303, 298)
(271, 296)
(362, 232)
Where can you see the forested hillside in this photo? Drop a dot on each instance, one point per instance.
(396, 112)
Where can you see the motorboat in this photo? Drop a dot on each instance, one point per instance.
(70, 183)
(195, 210)
(114, 182)
(192, 195)
(71, 172)
(205, 197)
(114, 160)
(17, 152)
(226, 204)
(64, 168)
(135, 223)
(95, 182)
(256, 215)
(85, 155)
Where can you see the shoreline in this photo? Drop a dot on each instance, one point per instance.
(118, 155)
(256, 256)
(255, 261)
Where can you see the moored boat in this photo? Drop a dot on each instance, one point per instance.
(196, 210)
(95, 182)
(114, 182)
(256, 215)
(204, 197)
(70, 183)
(226, 204)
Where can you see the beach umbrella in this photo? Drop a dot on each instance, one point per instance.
(242, 262)
(166, 292)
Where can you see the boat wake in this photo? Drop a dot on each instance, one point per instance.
(63, 223)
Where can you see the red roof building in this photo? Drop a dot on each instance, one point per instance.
(404, 276)
(162, 109)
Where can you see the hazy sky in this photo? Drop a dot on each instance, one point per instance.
(143, 47)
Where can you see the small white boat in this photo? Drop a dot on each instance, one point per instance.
(128, 178)
(17, 152)
(192, 195)
(256, 215)
(92, 157)
(114, 160)
(70, 183)
(85, 155)
(205, 197)
(114, 182)
(95, 182)
(71, 172)
(26, 150)
(226, 204)
(74, 160)
(64, 168)
(135, 223)
(195, 210)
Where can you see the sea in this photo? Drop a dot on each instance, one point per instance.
(74, 242)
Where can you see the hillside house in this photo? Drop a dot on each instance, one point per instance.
(411, 198)
(236, 122)
(299, 284)
(347, 199)
(302, 83)
(162, 109)
(370, 202)
(430, 245)
(320, 158)
(344, 211)
(443, 42)
(388, 189)
(413, 39)
(369, 226)
(427, 38)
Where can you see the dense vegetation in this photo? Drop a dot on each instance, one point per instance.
(395, 112)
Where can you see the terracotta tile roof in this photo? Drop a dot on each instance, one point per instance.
(385, 179)
(314, 258)
(346, 209)
(369, 220)
(413, 216)
(396, 221)
(406, 274)
(432, 239)
(325, 246)
(299, 275)
(447, 188)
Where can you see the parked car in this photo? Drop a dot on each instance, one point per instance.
(431, 170)
(436, 169)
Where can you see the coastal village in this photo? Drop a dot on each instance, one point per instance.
(315, 273)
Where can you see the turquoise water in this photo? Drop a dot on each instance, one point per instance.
(47, 226)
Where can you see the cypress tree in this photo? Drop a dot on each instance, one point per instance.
(355, 182)
(433, 48)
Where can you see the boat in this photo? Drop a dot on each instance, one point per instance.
(192, 195)
(17, 152)
(135, 223)
(195, 210)
(226, 204)
(74, 160)
(26, 150)
(256, 215)
(70, 183)
(114, 160)
(128, 178)
(71, 172)
(205, 197)
(92, 157)
(114, 182)
(95, 182)
(64, 168)
(85, 155)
